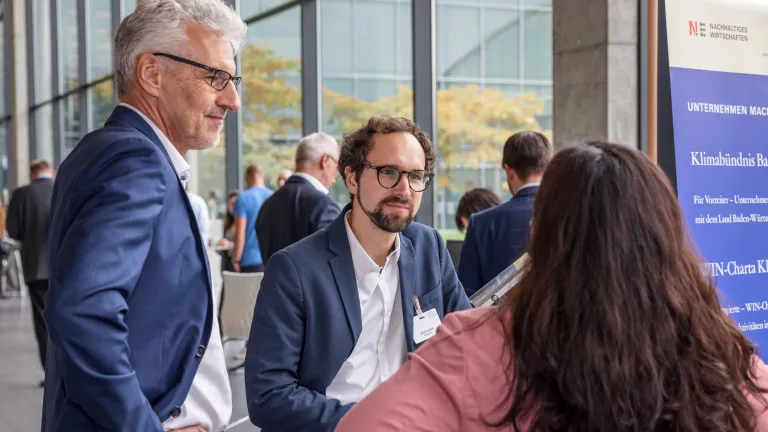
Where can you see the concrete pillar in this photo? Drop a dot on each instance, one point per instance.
(596, 92)
(18, 149)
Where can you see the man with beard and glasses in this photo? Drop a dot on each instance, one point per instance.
(339, 310)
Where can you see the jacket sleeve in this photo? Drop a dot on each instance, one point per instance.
(113, 209)
(454, 297)
(14, 221)
(275, 399)
(469, 263)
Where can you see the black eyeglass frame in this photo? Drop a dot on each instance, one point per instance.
(235, 79)
(428, 176)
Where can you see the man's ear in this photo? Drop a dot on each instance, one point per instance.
(148, 74)
(350, 179)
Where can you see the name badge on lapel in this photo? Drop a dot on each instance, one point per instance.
(424, 323)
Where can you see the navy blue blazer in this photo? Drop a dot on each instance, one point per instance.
(307, 320)
(129, 306)
(495, 238)
(293, 212)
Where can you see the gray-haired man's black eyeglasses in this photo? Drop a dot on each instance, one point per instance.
(220, 78)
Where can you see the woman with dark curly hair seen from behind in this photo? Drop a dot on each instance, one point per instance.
(614, 326)
(476, 200)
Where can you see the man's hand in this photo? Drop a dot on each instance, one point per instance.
(225, 243)
(195, 428)
(236, 266)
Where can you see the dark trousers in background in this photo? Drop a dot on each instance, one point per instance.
(38, 291)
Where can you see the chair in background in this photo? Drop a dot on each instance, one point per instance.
(237, 314)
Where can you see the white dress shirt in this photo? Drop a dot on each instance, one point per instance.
(381, 347)
(209, 401)
(311, 179)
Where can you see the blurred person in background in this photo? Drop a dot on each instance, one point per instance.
(28, 216)
(472, 202)
(246, 255)
(498, 236)
(134, 343)
(302, 206)
(613, 327)
(283, 176)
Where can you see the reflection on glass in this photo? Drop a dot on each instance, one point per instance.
(271, 93)
(101, 38)
(69, 43)
(41, 22)
(43, 146)
(365, 65)
(483, 95)
(70, 113)
(101, 103)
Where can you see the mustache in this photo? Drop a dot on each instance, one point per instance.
(216, 112)
(397, 199)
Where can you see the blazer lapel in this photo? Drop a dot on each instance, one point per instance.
(127, 117)
(344, 273)
(407, 270)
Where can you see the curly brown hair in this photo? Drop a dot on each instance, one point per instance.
(615, 326)
(356, 145)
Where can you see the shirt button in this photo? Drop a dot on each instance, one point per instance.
(176, 412)
(381, 349)
(200, 351)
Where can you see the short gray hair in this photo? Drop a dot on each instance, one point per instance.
(158, 26)
(314, 146)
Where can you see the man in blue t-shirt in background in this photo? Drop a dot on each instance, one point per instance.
(246, 255)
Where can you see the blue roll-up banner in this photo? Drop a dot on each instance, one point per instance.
(718, 58)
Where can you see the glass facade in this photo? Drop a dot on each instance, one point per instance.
(493, 62)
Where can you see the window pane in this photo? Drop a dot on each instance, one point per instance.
(70, 113)
(538, 40)
(101, 38)
(69, 44)
(336, 37)
(2, 68)
(128, 7)
(458, 36)
(502, 43)
(271, 99)
(43, 146)
(101, 103)
(209, 169)
(249, 8)
(374, 25)
(477, 110)
(41, 15)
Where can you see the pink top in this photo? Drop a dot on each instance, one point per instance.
(455, 382)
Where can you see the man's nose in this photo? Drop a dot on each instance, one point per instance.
(229, 98)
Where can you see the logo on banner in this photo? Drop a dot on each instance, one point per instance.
(728, 32)
(697, 28)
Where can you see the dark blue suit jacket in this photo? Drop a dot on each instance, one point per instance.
(307, 320)
(130, 292)
(496, 237)
(293, 212)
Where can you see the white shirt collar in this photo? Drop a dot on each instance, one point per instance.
(528, 185)
(361, 261)
(179, 163)
(312, 180)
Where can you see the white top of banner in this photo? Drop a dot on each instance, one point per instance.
(718, 35)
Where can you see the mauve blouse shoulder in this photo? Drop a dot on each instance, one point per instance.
(455, 382)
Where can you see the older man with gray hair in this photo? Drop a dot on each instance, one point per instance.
(302, 206)
(134, 341)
